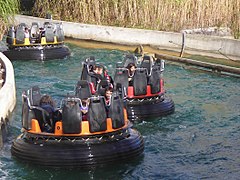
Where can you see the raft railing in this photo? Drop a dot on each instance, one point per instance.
(31, 124)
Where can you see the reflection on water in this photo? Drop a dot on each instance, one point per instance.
(200, 140)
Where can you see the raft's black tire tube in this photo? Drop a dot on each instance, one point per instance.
(69, 154)
(47, 53)
(150, 109)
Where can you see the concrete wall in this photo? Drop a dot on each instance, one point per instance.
(7, 95)
(194, 44)
(213, 45)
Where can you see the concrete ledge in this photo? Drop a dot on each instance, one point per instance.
(7, 95)
(194, 44)
(214, 67)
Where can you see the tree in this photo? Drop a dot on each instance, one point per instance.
(7, 9)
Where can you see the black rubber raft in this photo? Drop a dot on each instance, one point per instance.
(145, 96)
(40, 52)
(44, 43)
(75, 142)
(85, 151)
(151, 107)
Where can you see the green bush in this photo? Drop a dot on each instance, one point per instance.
(7, 9)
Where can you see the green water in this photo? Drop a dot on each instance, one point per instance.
(199, 141)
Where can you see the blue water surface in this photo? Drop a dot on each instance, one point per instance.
(199, 141)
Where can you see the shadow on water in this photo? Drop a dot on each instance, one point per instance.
(200, 140)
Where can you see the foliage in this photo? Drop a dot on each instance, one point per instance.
(7, 9)
(235, 19)
(167, 15)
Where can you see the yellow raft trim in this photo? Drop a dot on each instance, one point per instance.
(43, 42)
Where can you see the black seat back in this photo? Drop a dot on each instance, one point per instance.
(119, 64)
(20, 35)
(35, 96)
(147, 63)
(116, 112)
(102, 86)
(160, 63)
(84, 74)
(22, 25)
(94, 79)
(97, 115)
(46, 23)
(31, 110)
(10, 35)
(154, 79)
(130, 58)
(49, 33)
(121, 78)
(43, 117)
(140, 81)
(82, 90)
(87, 68)
(59, 32)
(71, 116)
(27, 113)
(34, 31)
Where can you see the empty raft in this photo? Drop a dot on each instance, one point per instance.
(36, 43)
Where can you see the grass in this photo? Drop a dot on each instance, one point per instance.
(166, 15)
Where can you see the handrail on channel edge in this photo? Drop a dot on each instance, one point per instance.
(7, 95)
(214, 67)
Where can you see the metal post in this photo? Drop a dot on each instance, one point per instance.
(183, 43)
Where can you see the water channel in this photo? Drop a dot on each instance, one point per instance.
(199, 141)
